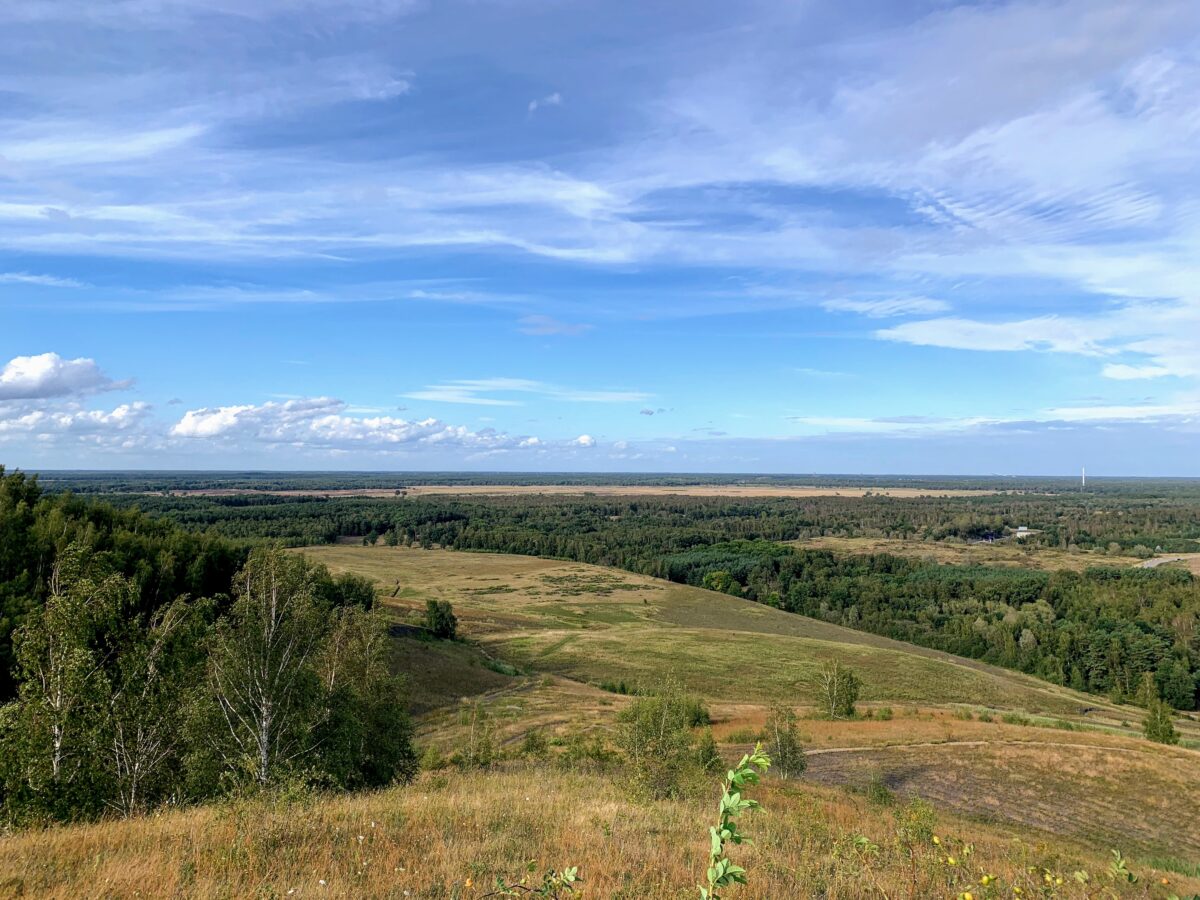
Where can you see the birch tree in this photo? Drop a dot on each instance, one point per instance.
(144, 728)
(261, 664)
(61, 664)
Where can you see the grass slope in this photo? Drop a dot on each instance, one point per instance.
(582, 625)
(449, 836)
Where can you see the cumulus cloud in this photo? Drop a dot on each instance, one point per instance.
(584, 440)
(49, 375)
(325, 423)
(50, 423)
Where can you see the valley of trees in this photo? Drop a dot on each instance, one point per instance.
(1099, 630)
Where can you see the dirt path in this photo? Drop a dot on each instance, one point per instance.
(880, 748)
(1190, 560)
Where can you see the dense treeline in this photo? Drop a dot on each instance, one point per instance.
(124, 710)
(613, 527)
(161, 560)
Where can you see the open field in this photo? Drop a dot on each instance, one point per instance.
(1070, 764)
(608, 490)
(1000, 553)
(595, 624)
(450, 835)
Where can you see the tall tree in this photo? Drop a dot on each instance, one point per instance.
(155, 666)
(260, 669)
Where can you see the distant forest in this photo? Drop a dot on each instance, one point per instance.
(1103, 630)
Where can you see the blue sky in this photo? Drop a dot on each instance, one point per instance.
(549, 235)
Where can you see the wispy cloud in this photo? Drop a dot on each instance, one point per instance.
(39, 280)
(554, 99)
(548, 325)
(482, 391)
(885, 309)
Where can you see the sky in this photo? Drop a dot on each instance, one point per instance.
(551, 235)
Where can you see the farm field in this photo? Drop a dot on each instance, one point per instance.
(981, 741)
(1000, 553)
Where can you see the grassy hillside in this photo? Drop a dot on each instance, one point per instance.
(449, 836)
(1039, 779)
(588, 625)
(595, 624)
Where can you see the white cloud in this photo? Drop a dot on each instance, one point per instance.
(49, 375)
(554, 99)
(1048, 332)
(882, 309)
(584, 440)
(39, 280)
(324, 423)
(1122, 372)
(478, 391)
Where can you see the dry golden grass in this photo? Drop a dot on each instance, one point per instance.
(450, 835)
(595, 624)
(585, 625)
(1004, 553)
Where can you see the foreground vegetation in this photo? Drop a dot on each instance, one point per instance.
(450, 834)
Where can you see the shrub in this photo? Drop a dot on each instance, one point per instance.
(440, 619)
(1158, 725)
(783, 742)
(886, 713)
(708, 758)
(655, 735)
(501, 668)
(838, 688)
(480, 750)
(878, 792)
(534, 744)
(432, 759)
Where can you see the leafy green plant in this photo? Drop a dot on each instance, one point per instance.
(722, 871)
(553, 883)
